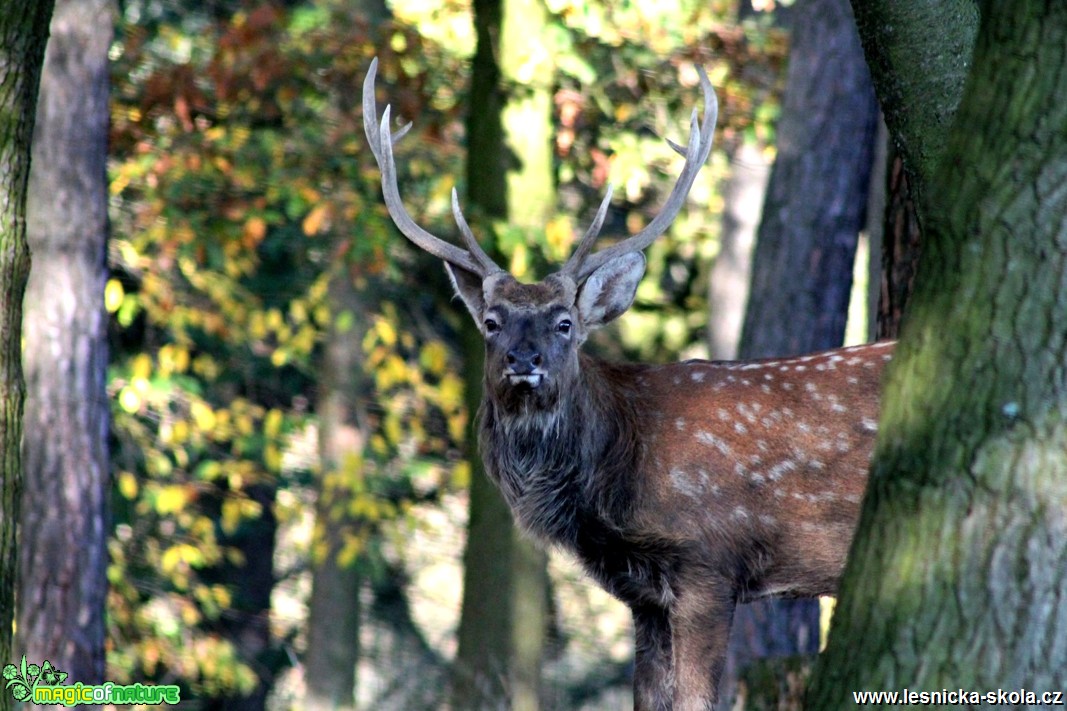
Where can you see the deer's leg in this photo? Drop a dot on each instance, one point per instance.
(653, 673)
(700, 629)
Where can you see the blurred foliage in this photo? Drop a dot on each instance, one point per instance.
(240, 187)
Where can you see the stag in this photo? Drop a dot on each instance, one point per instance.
(683, 489)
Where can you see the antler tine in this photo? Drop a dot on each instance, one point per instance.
(381, 141)
(586, 243)
(696, 153)
(470, 240)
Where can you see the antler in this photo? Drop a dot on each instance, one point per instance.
(473, 258)
(581, 264)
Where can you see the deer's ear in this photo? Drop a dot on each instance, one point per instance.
(469, 287)
(610, 290)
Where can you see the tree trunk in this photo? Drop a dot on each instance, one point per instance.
(23, 34)
(918, 76)
(502, 625)
(743, 195)
(802, 267)
(817, 197)
(63, 558)
(334, 608)
(247, 622)
(934, 40)
(957, 578)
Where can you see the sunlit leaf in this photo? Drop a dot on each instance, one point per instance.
(315, 219)
(113, 295)
(171, 499)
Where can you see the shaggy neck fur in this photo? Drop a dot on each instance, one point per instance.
(560, 463)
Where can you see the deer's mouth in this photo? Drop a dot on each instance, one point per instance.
(531, 380)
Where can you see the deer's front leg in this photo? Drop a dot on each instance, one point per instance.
(653, 663)
(700, 630)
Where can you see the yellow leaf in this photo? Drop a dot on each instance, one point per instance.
(180, 432)
(559, 233)
(255, 230)
(377, 443)
(231, 515)
(128, 485)
(272, 457)
(203, 415)
(113, 295)
(350, 551)
(391, 427)
(315, 219)
(272, 424)
(386, 332)
(451, 392)
(244, 424)
(520, 260)
(434, 357)
(129, 400)
(141, 367)
(457, 426)
(171, 499)
(173, 359)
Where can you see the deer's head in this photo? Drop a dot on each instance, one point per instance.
(533, 331)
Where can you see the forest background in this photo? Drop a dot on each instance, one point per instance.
(289, 384)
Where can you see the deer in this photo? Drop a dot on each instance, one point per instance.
(683, 488)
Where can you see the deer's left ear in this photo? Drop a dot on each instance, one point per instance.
(469, 287)
(610, 290)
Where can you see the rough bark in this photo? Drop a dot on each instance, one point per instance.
(901, 248)
(509, 164)
(23, 34)
(958, 574)
(63, 555)
(802, 267)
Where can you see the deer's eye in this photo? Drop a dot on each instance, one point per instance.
(491, 326)
(564, 326)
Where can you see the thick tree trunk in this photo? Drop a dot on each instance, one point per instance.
(63, 556)
(509, 173)
(23, 33)
(806, 245)
(958, 575)
(817, 197)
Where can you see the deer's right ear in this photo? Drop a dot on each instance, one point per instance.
(469, 287)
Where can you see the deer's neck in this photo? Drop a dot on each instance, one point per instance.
(558, 466)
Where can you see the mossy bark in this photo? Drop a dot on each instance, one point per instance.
(958, 573)
(918, 76)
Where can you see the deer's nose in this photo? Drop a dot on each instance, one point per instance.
(523, 360)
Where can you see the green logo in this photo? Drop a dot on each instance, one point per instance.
(41, 684)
